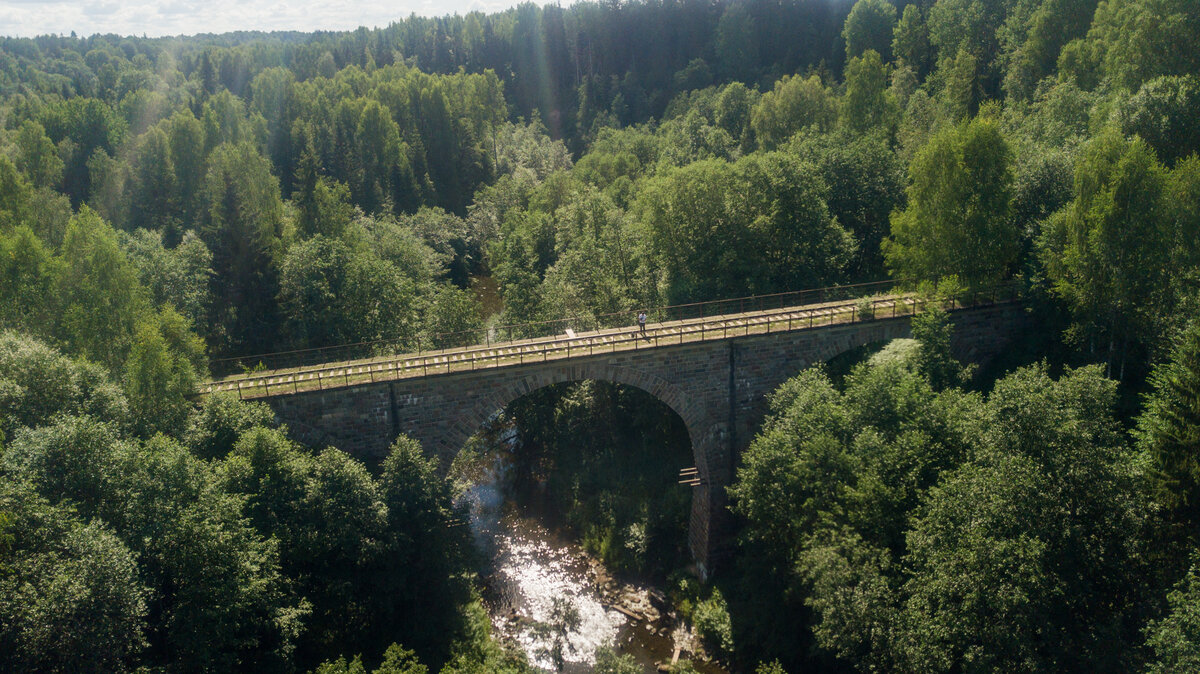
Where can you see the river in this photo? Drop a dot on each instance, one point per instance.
(535, 576)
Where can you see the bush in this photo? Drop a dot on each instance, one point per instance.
(608, 662)
(945, 293)
(684, 594)
(38, 382)
(865, 308)
(214, 429)
(71, 598)
(711, 619)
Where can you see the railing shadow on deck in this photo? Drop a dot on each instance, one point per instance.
(685, 323)
(445, 341)
(441, 342)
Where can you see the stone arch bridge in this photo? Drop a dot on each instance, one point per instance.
(714, 372)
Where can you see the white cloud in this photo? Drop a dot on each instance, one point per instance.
(155, 18)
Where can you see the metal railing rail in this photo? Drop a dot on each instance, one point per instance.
(465, 359)
(447, 341)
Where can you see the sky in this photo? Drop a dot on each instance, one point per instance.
(156, 18)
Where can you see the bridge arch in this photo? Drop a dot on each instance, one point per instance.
(475, 416)
(705, 433)
(701, 430)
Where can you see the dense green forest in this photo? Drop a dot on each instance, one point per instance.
(167, 202)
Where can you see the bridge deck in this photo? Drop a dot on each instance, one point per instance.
(609, 340)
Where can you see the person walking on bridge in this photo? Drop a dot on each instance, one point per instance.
(641, 318)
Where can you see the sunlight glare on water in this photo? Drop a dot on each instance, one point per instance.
(529, 569)
(538, 573)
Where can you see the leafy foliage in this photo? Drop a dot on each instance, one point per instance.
(1164, 113)
(40, 383)
(869, 26)
(958, 219)
(1175, 638)
(987, 502)
(331, 293)
(708, 241)
(165, 199)
(72, 601)
(1107, 251)
(1170, 429)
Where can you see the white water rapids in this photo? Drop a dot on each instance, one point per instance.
(529, 570)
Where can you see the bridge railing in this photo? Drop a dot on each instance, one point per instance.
(445, 341)
(445, 361)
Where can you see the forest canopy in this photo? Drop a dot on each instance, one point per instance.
(168, 202)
